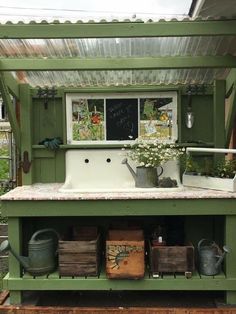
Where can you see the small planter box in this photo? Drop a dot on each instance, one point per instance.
(213, 183)
(171, 259)
(125, 254)
(80, 256)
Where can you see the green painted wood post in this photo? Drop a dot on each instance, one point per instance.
(231, 116)
(230, 268)
(14, 237)
(64, 124)
(179, 116)
(219, 116)
(26, 130)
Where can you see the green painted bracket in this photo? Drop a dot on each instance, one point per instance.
(12, 84)
(230, 80)
(231, 115)
(10, 109)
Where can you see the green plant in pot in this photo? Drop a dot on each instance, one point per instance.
(225, 169)
(150, 156)
(198, 167)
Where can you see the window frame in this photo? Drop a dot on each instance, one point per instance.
(70, 97)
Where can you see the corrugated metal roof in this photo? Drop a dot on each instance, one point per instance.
(120, 47)
(123, 78)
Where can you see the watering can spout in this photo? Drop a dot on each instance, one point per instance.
(24, 261)
(125, 162)
(221, 258)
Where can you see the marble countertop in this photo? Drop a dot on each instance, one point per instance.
(50, 191)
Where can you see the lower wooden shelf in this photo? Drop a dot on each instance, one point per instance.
(165, 282)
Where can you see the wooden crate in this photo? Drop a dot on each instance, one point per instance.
(125, 254)
(171, 259)
(80, 256)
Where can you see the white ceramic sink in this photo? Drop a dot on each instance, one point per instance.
(101, 170)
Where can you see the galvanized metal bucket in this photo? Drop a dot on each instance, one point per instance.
(210, 257)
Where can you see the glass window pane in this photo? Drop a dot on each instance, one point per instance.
(156, 118)
(122, 119)
(88, 119)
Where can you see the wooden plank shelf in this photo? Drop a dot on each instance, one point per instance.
(164, 282)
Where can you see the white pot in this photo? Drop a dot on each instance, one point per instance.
(211, 183)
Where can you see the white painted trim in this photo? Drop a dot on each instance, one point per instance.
(70, 97)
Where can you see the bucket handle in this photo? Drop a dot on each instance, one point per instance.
(161, 171)
(204, 240)
(37, 233)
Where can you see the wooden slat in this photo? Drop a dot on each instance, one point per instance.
(113, 310)
(220, 275)
(168, 276)
(124, 63)
(3, 296)
(77, 246)
(206, 277)
(221, 27)
(3, 229)
(78, 269)
(75, 258)
(54, 275)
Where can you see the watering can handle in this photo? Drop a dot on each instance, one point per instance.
(203, 240)
(160, 171)
(43, 231)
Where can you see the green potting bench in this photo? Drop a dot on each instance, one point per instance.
(203, 210)
(206, 213)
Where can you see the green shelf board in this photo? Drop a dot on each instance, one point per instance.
(118, 208)
(171, 282)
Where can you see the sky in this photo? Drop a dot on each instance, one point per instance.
(15, 10)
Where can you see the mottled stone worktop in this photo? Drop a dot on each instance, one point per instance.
(51, 192)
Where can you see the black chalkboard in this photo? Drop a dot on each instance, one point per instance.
(121, 119)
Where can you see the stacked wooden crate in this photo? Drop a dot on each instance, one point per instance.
(80, 255)
(125, 254)
(171, 259)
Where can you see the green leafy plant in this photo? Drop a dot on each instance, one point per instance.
(153, 153)
(225, 169)
(203, 166)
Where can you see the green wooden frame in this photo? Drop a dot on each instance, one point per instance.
(12, 84)
(231, 116)
(230, 80)
(71, 64)
(128, 29)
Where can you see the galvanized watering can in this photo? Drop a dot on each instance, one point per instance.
(145, 177)
(210, 257)
(42, 252)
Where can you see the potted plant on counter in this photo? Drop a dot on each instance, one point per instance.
(206, 175)
(149, 157)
